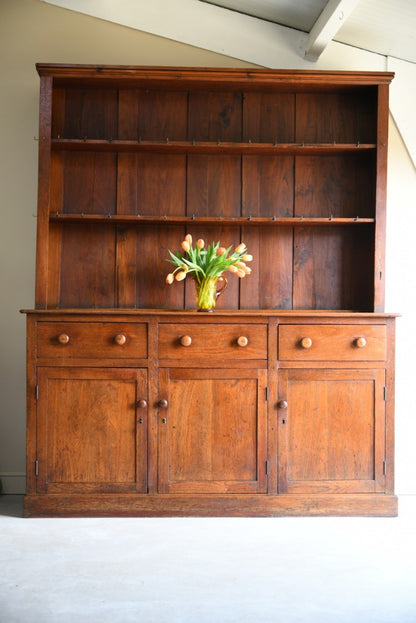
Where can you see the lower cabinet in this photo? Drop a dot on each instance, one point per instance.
(212, 431)
(91, 430)
(332, 431)
(209, 415)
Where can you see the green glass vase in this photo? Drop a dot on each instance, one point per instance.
(207, 292)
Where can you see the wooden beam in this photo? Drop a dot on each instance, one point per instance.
(331, 19)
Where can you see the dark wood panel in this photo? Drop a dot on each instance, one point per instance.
(270, 284)
(214, 185)
(332, 269)
(336, 186)
(269, 117)
(267, 185)
(89, 183)
(87, 266)
(215, 116)
(91, 113)
(152, 115)
(151, 184)
(152, 244)
(336, 117)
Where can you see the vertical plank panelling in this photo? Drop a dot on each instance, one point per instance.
(91, 113)
(269, 117)
(87, 266)
(89, 182)
(215, 116)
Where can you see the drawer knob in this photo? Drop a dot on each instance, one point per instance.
(120, 339)
(360, 342)
(242, 341)
(306, 342)
(142, 404)
(186, 340)
(282, 404)
(162, 404)
(63, 338)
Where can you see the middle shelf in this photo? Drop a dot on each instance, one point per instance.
(207, 220)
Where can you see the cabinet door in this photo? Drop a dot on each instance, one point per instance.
(91, 431)
(212, 433)
(332, 431)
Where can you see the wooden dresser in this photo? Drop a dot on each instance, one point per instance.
(281, 401)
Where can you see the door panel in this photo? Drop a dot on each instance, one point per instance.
(332, 431)
(213, 433)
(90, 437)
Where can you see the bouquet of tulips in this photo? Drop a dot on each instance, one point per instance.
(206, 266)
(201, 262)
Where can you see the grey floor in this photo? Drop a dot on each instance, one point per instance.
(306, 570)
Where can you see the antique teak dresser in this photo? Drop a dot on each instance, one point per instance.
(281, 401)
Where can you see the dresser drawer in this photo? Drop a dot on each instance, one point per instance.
(217, 341)
(91, 340)
(332, 343)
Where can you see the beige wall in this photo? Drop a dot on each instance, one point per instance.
(32, 31)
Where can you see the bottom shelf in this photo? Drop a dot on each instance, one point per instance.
(108, 505)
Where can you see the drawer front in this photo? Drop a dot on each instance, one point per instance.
(332, 343)
(217, 341)
(91, 340)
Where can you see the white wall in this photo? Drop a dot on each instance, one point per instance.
(32, 31)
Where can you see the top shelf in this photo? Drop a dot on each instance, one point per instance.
(207, 147)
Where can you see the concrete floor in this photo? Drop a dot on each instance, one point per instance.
(291, 570)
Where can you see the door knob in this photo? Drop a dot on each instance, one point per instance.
(306, 342)
(360, 342)
(242, 341)
(162, 404)
(120, 339)
(142, 404)
(63, 338)
(186, 340)
(282, 404)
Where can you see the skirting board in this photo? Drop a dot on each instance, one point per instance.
(13, 483)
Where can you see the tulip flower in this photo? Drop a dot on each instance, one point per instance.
(170, 278)
(200, 244)
(180, 276)
(188, 239)
(240, 248)
(247, 258)
(185, 245)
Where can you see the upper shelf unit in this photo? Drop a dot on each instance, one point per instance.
(132, 158)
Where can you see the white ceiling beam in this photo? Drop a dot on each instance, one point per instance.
(326, 26)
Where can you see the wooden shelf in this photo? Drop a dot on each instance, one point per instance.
(208, 147)
(207, 220)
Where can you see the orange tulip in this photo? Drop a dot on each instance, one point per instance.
(233, 269)
(185, 245)
(241, 247)
(188, 239)
(221, 250)
(247, 258)
(170, 278)
(180, 276)
(240, 273)
(200, 244)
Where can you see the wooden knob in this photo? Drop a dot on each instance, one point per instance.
(282, 404)
(142, 404)
(162, 404)
(306, 342)
(360, 342)
(186, 340)
(63, 338)
(120, 339)
(242, 341)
